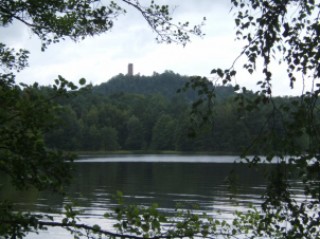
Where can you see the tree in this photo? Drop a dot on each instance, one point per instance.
(56, 20)
(135, 137)
(26, 114)
(286, 32)
(66, 136)
(163, 133)
(110, 138)
(182, 141)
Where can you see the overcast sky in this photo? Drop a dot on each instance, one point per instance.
(132, 41)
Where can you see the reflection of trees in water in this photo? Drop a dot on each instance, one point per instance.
(30, 199)
(166, 182)
(146, 183)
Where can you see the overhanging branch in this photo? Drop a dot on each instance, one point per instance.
(8, 13)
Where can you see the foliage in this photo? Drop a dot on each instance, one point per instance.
(285, 32)
(162, 117)
(151, 222)
(28, 112)
(53, 21)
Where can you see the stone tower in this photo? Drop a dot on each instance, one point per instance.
(130, 69)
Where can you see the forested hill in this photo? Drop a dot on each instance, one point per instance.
(165, 84)
(146, 113)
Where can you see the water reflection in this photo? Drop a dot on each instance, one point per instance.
(146, 180)
(165, 183)
(160, 158)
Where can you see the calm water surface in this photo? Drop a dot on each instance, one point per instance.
(146, 179)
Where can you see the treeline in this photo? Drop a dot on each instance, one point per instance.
(147, 113)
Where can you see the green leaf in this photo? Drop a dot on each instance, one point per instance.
(82, 81)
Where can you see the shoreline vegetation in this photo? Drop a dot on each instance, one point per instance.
(145, 114)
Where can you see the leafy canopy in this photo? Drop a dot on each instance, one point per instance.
(27, 112)
(53, 21)
(287, 33)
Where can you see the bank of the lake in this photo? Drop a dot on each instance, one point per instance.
(82, 154)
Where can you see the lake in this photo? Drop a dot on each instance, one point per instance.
(145, 179)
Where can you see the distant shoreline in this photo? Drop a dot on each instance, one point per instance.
(82, 154)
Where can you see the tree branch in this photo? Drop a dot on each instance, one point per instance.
(145, 16)
(3, 10)
(166, 30)
(96, 230)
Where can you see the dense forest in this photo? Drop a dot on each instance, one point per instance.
(147, 113)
